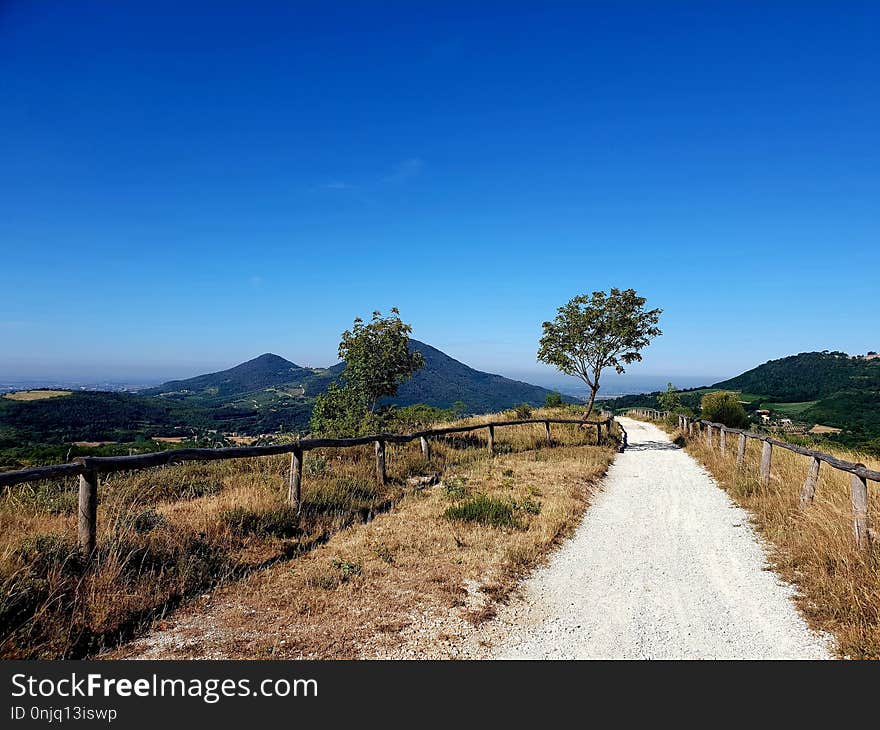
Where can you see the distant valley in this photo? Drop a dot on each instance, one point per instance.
(266, 395)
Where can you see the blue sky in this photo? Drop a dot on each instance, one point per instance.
(184, 186)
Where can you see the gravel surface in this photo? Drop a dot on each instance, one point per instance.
(664, 565)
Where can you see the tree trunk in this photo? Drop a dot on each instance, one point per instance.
(593, 392)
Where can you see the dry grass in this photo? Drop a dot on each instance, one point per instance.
(366, 592)
(28, 395)
(166, 535)
(813, 548)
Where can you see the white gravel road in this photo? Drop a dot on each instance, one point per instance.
(664, 565)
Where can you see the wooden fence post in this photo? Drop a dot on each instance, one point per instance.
(709, 436)
(491, 440)
(87, 528)
(599, 433)
(723, 439)
(294, 490)
(741, 451)
(859, 494)
(426, 448)
(690, 429)
(809, 489)
(766, 457)
(547, 430)
(380, 463)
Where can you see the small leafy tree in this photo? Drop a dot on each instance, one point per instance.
(377, 356)
(670, 400)
(722, 406)
(591, 333)
(377, 360)
(553, 400)
(341, 411)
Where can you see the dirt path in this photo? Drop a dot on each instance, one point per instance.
(664, 565)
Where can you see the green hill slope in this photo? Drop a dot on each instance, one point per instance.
(827, 388)
(262, 372)
(444, 380)
(807, 376)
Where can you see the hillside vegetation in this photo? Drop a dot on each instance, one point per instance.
(165, 535)
(266, 395)
(827, 388)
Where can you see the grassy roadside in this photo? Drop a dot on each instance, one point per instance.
(443, 558)
(839, 585)
(168, 535)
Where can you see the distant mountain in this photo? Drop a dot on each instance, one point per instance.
(444, 380)
(263, 395)
(441, 382)
(265, 371)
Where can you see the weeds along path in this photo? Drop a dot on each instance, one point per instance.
(663, 565)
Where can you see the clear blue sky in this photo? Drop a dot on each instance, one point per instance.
(184, 186)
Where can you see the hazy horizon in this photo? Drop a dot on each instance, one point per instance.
(637, 378)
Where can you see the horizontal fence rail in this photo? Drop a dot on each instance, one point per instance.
(861, 475)
(88, 468)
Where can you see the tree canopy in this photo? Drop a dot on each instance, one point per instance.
(722, 406)
(377, 360)
(594, 332)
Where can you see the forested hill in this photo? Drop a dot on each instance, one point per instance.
(444, 380)
(808, 376)
(829, 389)
(265, 371)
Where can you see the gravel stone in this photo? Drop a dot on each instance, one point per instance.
(663, 566)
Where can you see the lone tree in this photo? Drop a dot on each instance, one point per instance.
(377, 360)
(670, 400)
(592, 333)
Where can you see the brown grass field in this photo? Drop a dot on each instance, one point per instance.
(814, 548)
(168, 535)
(36, 394)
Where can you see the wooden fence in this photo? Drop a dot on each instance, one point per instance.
(861, 475)
(88, 468)
(652, 413)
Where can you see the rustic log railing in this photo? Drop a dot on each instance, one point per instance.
(89, 468)
(863, 534)
(652, 413)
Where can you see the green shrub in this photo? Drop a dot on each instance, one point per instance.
(529, 505)
(553, 400)
(419, 416)
(339, 571)
(485, 511)
(522, 410)
(722, 406)
(347, 569)
(456, 487)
